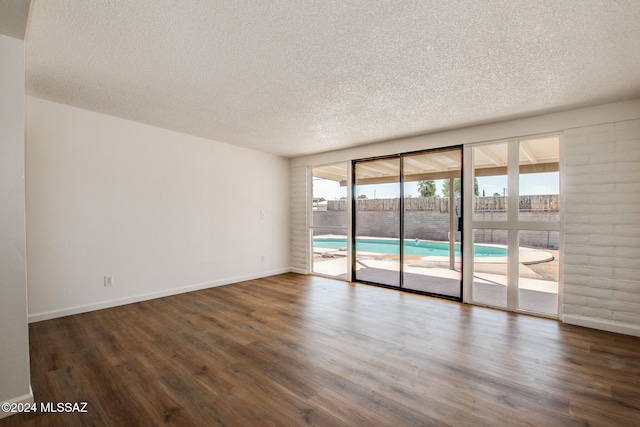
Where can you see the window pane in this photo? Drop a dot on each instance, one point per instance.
(538, 272)
(431, 255)
(490, 267)
(330, 252)
(330, 196)
(539, 179)
(490, 182)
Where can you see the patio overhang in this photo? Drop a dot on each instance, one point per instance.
(536, 156)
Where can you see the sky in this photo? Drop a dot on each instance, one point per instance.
(530, 184)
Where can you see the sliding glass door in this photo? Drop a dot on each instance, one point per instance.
(396, 221)
(376, 206)
(431, 219)
(406, 217)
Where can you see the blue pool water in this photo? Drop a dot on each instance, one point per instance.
(411, 247)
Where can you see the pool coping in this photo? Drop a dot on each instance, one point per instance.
(527, 256)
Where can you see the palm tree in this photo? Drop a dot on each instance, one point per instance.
(427, 188)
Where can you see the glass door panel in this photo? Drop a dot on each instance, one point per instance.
(432, 213)
(490, 256)
(376, 212)
(330, 252)
(516, 209)
(539, 180)
(538, 272)
(491, 186)
(329, 220)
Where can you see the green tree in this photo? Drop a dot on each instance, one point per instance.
(362, 196)
(457, 185)
(427, 188)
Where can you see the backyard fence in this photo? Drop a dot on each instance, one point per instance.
(537, 203)
(427, 218)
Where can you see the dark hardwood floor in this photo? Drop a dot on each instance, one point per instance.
(291, 350)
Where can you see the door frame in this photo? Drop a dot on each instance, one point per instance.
(352, 235)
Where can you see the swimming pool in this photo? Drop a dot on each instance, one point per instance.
(411, 247)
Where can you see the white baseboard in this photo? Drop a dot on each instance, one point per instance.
(24, 399)
(53, 314)
(298, 271)
(602, 324)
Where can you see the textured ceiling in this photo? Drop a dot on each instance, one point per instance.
(13, 17)
(299, 77)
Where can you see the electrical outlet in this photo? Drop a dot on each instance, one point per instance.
(263, 258)
(263, 214)
(108, 280)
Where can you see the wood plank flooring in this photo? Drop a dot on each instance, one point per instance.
(293, 350)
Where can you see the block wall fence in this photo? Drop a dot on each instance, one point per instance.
(427, 218)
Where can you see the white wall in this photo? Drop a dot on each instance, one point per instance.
(600, 179)
(602, 226)
(161, 211)
(299, 222)
(14, 339)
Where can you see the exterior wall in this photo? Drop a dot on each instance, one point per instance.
(600, 177)
(378, 224)
(602, 226)
(330, 218)
(427, 218)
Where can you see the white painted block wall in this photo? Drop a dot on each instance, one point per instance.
(602, 226)
(299, 226)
